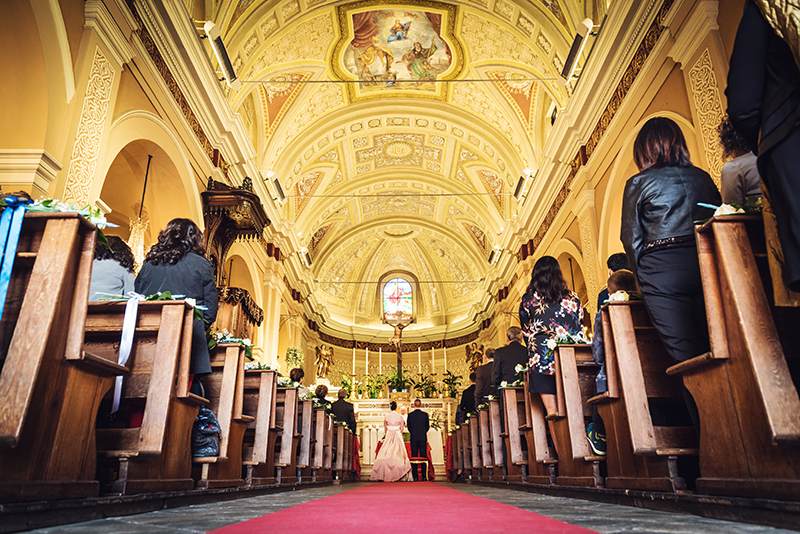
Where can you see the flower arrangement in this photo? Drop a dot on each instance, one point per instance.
(256, 365)
(346, 384)
(452, 382)
(752, 206)
(214, 337)
(161, 295)
(294, 357)
(565, 339)
(51, 205)
(424, 385)
(435, 419)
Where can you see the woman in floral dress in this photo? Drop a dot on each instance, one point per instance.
(549, 310)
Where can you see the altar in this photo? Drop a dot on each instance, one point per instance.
(370, 414)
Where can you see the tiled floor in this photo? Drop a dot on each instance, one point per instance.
(600, 517)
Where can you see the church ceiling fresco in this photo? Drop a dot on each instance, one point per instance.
(380, 115)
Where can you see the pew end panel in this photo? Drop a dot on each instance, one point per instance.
(287, 438)
(260, 395)
(575, 372)
(541, 457)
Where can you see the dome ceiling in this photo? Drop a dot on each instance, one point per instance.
(408, 163)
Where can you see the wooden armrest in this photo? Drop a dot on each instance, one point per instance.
(209, 459)
(102, 365)
(553, 417)
(677, 452)
(594, 458)
(524, 428)
(196, 399)
(695, 363)
(249, 462)
(597, 399)
(246, 418)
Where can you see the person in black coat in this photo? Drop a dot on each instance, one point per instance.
(507, 358)
(177, 263)
(467, 403)
(764, 106)
(483, 379)
(343, 411)
(418, 425)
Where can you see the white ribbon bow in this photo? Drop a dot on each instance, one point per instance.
(126, 343)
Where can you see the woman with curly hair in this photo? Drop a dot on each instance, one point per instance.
(740, 179)
(112, 269)
(177, 263)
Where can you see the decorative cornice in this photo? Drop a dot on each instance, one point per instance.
(699, 24)
(32, 166)
(585, 152)
(99, 19)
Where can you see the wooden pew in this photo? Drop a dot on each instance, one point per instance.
(318, 444)
(475, 447)
(347, 468)
(50, 388)
(748, 403)
(258, 458)
(518, 429)
(288, 439)
(466, 449)
(640, 455)
(495, 428)
(458, 458)
(327, 459)
(541, 457)
(304, 425)
(157, 455)
(343, 452)
(575, 374)
(225, 392)
(485, 437)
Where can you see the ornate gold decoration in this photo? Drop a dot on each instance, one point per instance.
(708, 105)
(235, 295)
(398, 149)
(306, 186)
(90, 130)
(589, 261)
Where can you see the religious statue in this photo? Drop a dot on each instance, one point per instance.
(323, 360)
(474, 356)
(396, 342)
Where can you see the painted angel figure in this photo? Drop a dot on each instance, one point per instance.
(398, 31)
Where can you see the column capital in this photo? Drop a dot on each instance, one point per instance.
(31, 170)
(100, 19)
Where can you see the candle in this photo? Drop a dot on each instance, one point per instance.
(433, 360)
(419, 359)
(380, 360)
(366, 362)
(354, 358)
(445, 358)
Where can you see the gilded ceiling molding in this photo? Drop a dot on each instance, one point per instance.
(90, 130)
(585, 151)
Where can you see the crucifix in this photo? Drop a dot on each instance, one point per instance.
(396, 342)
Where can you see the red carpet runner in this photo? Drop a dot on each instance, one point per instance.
(405, 507)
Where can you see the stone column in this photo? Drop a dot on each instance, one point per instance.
(272, 311)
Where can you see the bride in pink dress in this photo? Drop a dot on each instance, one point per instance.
(392, 463)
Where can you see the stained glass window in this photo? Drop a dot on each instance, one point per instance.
(397, 300)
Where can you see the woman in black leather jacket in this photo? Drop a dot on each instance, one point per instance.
(658, 213)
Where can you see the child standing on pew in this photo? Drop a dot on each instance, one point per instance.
(621, 284)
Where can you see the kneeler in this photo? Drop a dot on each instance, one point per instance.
(419, 468)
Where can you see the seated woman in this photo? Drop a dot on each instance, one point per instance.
(548, 310)
(319, 395)
(177, 263)
(112, 269)
(296, 375)
(391, 463)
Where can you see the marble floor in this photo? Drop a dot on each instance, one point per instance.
(600, 517)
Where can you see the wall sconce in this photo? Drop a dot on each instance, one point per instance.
(281, 198)
(494, 255)
(584, 29)
(215, 38)
(305, 257)
(521, 183)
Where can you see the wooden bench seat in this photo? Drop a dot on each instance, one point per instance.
(157, 455)
(319, 445)
(640, 455)
(287, 437)
(50, 388)
(258, 445)
(497, 447)
(466, 449)
(748, 403)
(225, 392)
(575, 374)
(475, 448)
(487, 453)
(304, 426)
(541, 457)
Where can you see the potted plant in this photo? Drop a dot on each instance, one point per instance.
(373, 385)
(397, 381)
(424, 386)
(346, 384)
(452, 382)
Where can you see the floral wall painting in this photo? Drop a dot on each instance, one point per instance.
(404, 49)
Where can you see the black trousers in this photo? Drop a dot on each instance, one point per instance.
(419, 449)
(780, 171)
(673, 294)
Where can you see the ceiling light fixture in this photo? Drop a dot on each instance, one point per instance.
(280, 199)
(305, 257)
(521, 183)
(494, 256)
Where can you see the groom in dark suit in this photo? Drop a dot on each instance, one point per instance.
(418, 424)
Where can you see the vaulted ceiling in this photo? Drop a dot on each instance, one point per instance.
(406, 168)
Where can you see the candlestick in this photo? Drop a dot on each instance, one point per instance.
(354, 358)
(380, 360)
